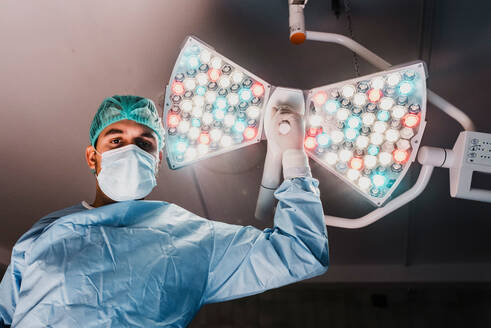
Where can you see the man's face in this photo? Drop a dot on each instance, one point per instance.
(121, 134)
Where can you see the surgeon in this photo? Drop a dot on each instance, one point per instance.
(122, 261)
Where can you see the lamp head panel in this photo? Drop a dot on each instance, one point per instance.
(367, 130)
(212, 105)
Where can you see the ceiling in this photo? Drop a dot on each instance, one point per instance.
(60, 59)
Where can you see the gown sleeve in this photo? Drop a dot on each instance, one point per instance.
(247, 261)
(9, 292)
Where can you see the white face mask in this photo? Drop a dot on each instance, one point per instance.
(127, 173)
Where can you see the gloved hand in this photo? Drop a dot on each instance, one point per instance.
(289, 146)
(293, 139)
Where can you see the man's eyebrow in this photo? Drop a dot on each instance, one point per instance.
(148, 135)
(113, 131)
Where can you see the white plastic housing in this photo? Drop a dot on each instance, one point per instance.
(471, 153)
(294, 99)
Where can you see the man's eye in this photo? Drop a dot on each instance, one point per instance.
(145, 144)
(115, 141)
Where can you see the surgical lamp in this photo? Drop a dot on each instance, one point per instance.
(212, 105)
(366, 131)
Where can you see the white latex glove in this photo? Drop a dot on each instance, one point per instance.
(278, 142)
(289, 146)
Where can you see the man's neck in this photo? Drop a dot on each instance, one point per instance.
(101, 199)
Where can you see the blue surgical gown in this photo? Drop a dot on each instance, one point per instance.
(154, 264)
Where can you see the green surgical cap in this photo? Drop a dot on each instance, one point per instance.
(118, 108)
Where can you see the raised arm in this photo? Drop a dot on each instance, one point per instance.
(248, 261)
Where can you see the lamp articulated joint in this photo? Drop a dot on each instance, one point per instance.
(437, 157)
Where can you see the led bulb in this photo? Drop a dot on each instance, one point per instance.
(337, 136)
(214, 74)
(331, 158)
(359, 99)
(398, 112)
(233, 99)
(373, 150)
(249, 133)
(364, 183)
(189, 84)
(197, 111)
(240, 126)
(226, 141)
(193, 62)
(332, 106)
(405, 87)
(202, 79)
(356, 163)
(393, 79)
(199, 101)
(383, 115)
(310, 143)
(183, 127)
(216, 62)
(410, 120)
(201, 90)
(376, 139)
(348, 91)
(257, 89)
(386, 103)
(400, 156)
(378, 180)
(362, 142)
(353, 174)
(210, 97)
(345, 155)
(380, 127)
(350, 134)
(205, 56)
(219, 114)
(237, 77)
(215, 134)
(323, 139)
(403, 144)
(204, 138)
(221, 103)
(194, 133)
(377, 82)
(388, 147)
(207, 118)
(224, 82)
(342, 114)
(368, 118)
(392, 135)
(406, 133)
(177, 88)
(354, 122)
(187, 106)
(374, 95)
(245, 94)
(384, 158)
(315, 120)
(253, 112)
(320, 98)
(370, 161)
(229, 120)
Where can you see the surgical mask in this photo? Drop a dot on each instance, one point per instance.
(127, 173)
